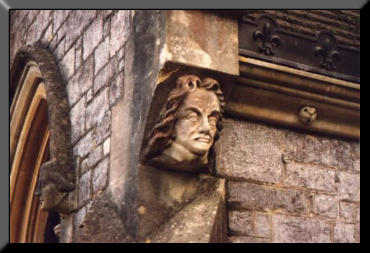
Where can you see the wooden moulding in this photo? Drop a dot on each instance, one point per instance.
(275, 94)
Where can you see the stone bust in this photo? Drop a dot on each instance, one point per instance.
(184, 137)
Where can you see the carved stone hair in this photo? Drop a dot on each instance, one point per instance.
(162, 134)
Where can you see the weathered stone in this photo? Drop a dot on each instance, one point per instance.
(357, 232)
(81, 81)
(250, 161)
(206, 41)
(67, 64)
(116, 89)
(84, 188)
(95, 155)
(78, 57)
(59, 49)
(78, 119)
(66, 235)
(78, 219)
(84, 166)
(348, 211)
(202, 220)
(92, 36)
(103, 128)
(47, 36)
(299, 229)
(262, 225)
(247, 239)
(106, 27)
(241, 222)
(325, 205)
(323, 151)
(102, 223)
(105, 75)
(84, 146)
(59, 16)
(106, 147)
(76, 23)
(101, 54)
(259, 197)
(344, 233)
(100, 175)
(310, 176)
(97, 109)
(349, 186)
(120, 29)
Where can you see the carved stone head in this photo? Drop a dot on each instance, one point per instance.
(183, 138)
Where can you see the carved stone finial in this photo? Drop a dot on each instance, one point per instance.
(307, 114)
(265, 34)
(184, 136)
(327, 50)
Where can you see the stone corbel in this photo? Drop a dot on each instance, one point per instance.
(152, 200)
(57, 176)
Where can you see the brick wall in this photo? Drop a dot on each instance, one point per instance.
(89, 48)
(285, 186)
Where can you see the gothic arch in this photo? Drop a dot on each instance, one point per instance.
(40, 147)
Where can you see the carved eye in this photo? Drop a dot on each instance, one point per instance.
(212, 121)
(192, 116)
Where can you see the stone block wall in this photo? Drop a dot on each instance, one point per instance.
(89, 48)
(284, 186)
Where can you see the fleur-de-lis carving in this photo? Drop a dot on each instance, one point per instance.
(327, 50)
(265, 35)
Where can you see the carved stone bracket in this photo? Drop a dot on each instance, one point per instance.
(327, 50)
(57, 176)
(266, 36)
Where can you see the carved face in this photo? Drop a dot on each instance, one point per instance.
(196, 128)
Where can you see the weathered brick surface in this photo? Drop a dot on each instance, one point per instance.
(349, 186)
(299, 229)
(312, 196)
(84, 188)
(84, 145)
(325, 205)
(96, 110)
(103, 128)
(92, 37)
(100, 175)
(259, 197)
(323, 151)
(242, 148)
(101, 54)
(95, 156)
(262, 225)
(348, 211)
(241, 222)
(106, 146)
(78, 119)
(105, 75)
(119, 31)
(310, 176)
(81, 81)
(247, 239)
(344, 233)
